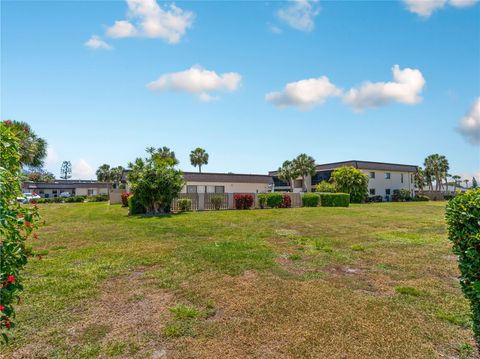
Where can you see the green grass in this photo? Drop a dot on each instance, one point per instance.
(368, 281)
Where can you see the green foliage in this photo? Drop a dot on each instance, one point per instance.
(155, 181)
(334, 199)
(350, 180)
(75, 199)
(134, 206)
(182, 311)
(199, 157)
(217, 201)
(287, 172)
(304, 165)
(463, 221)
(184, 204)
(66, 170)
(17, 224)
(421, 198)
(324, 186)
(31, 148)
(38, 175)
(310, 200)
(274, 200)
(105, 173)
(401, 195)
(409, 291)
(262, 200)
(98, 198)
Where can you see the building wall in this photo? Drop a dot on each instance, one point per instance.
(232, 187)
(93, 191)
(381, 184)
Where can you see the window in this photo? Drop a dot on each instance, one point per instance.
(200, 189)
(219, 189)
(372, 174)
(401, 177)
(387, 192)
(191, 189)
(210, 189)
(411, 178)
(387, 175)
(89, 192)
(372, 191)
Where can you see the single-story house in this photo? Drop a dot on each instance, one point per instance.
(73, 187)
(384, 178)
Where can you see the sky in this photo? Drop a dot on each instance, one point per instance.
(254, 83)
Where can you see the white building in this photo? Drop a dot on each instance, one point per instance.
(384, 178)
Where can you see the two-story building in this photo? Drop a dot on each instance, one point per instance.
(384, 178)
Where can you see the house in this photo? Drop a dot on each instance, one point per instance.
(226, 183)
(73, 187)
(384, 178)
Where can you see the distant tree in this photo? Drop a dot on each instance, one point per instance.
(474, 182)
(456, 180)
(419, 178)
(38, 175)
(116, 174)
(155, 181)
(199, 157)
(436, 167)
(304, 166)
(287, 173)
(163, 153)
(66, 170)
(32, 148)
(466, 182)
(351, 180)
(103, 173)
(324, 186)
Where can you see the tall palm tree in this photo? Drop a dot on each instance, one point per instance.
(304, 166)
(419, 178)
(162, 153)
(32, 149)
(436, 168)
(287, 173)
(103, 173)
(456, 179)
(199, 157)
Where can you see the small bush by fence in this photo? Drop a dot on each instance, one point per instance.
(310, 200)
(184, 204)
(243, 201)
(334, 199)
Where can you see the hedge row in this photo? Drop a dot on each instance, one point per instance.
(74, 199)
(326, 199)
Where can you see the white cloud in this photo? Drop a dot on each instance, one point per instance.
(406, 88)
(198, 81)
(274, 29)
(304, 94)
(82, 170)
(147, 19)
(469, 125)
(300, 14)
(425, 8)
(52, 158)
(96, 42)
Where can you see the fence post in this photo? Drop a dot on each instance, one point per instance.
(201, 201)
(230, 201)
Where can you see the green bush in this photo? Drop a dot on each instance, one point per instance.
(310, 200)
(184, 204)
(421, 198)
(217, 201)
(401, 195)
(463, 221)
(334, 199)
(350, 180)
(44, 200)
(262, 200)
(324, 186)
(98, 198)
(75, 199)
(448, 196)
(274, 200)
(57, 200)
(134, 206)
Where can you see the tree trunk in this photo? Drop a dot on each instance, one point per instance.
(199, 168)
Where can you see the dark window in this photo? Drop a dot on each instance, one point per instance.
(279, 183)
(387, 175)
(372, 174)
(219, 189)
(372, 191)
(321, 176)
(387, 192)
(401, 177)
(191, 189)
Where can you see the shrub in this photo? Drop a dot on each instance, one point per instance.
(448, 197)
(286, 201)
(57, 200)
(463, 218)
(324, 186)
(44, 200)
(243, 201)
(375, 199)
(124, 197)
(184, 204)
(274, 200)
(334, 199)
(262, 200)
(350, 180)
(134, 206)
(421, 198)
(401, 195)
(75, 199)
(310, 200)
(217, 201)
(98, 198)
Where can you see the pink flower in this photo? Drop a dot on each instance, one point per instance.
(11, 279)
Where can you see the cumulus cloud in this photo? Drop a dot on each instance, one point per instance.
(304, 94)
(425, 8)
(82, 170)
(96, 42)
(198, 81)
(405, 88)
(146, 18)
(469, 125)
(300, 14)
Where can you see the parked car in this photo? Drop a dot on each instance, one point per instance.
(65, 194)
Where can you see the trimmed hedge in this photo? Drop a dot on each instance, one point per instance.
(274, 200)
(75, 199)
(463, 219)
(217, 201)
(421, 198)
(243, 201)
(135, 207)
(98, 198)
(262, 200)
(310, 200)
(184, 204)
(286, 201)
(334, 199)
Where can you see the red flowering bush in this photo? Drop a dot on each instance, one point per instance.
(17, 223)
(125, 196)
(243, 201)
(286, 201)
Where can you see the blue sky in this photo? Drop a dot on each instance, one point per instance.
(218, 74)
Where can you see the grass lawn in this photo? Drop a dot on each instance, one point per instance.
(369, 281)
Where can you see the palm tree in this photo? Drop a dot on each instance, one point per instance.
(32, 149)
(103, 173)
(436, 168)
(287, 173)
(116, 174)
(162, 153)
(466, 183)
(199, 157)
(419, 178)
(304, 166)
(456, 179)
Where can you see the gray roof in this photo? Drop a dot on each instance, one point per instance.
(65, 184)
(226, 177)
(363, 165)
